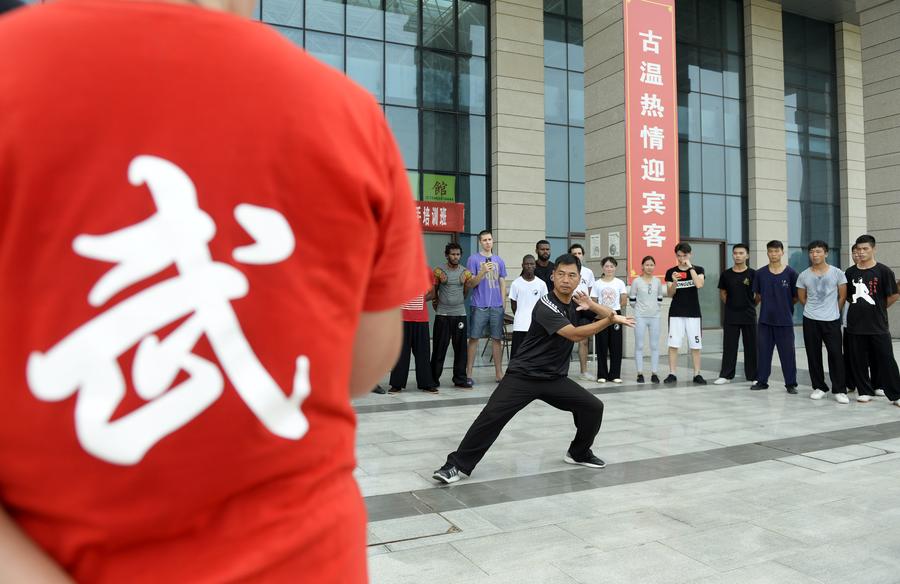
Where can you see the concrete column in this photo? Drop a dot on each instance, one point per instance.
(880, 35)
(766, 162)
(851, 142)
(517, 128)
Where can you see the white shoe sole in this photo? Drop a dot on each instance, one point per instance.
(721, 381)
(816, 396)
(445, 480)
(843, 403)
(568, 459)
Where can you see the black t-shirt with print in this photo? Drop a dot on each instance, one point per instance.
(739, 305)
(544, 354)
(544, 274)
(686, 301)
(867, 293)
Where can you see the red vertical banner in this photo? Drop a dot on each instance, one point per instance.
(651, 130)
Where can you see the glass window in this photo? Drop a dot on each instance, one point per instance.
(325, 15)
(287, 12)
(689, 116)
(712, 129)
(404, 122)
(713, 168)
(555, 42)
(734, 214)
(473, 20)
(365, 65)
(576, 154)
(794, 177)
(710, 23)
(792, 142)
(575, 46)
(714, 223)
(438, 74)
(690, 176)
(821, 180)
(556, 148)
(472, 83)
(795, 223)
(687, 69)
(557, 209)
(471, 190)
(576, 99)
(556, 96)
(734, 32)
(710, 71)
(686, 21)
(734, 176)
(472, 144)
(731, 77)
(402, 75)
(555, 6)
(438, 24)
(402, 21)
(574, 7)
(365, 19)
(439, 141)
(733, 125)
(691, 214)
(576, 207)
(328, 48)
(292, 34)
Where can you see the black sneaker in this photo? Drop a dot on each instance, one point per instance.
(698, 380)
(379, 390)
(757, 386)
(654, 378)
(395, 390)
(640, 378)
(465, 385)
(590, 461)
(446, 474)
(791, 389)
(429, 389)
(670, 379)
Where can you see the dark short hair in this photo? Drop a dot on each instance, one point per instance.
(644, 261)
(683, 247)
(854, 246)
(451, 246)
(817, 243)
(737, 246)
(541, 242)
(775, 244)
(609, 259)
(484, 232)
(574, 245)
(863, 239)
(568, 259)
(527, 256)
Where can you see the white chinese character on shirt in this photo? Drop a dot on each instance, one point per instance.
(654, 203)
(86, 362)
(652, 106)
(652, 137)
(653, 235)
(651, 73)
(653, 170)
(650, 41)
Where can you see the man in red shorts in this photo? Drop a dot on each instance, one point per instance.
(176, 361)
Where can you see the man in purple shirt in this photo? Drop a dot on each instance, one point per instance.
(488, 297)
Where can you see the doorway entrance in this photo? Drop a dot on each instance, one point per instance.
(710, 255)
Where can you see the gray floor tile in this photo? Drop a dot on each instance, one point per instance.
(390, 530)
(651, 563)
(840, 564)
(733, 546)
(626, 529)
(496, 554)
(413, 566)
(762, 573)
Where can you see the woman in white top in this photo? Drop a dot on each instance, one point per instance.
(611, 292)
(646, 297)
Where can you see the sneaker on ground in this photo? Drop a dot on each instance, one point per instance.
(617, 380)
(791, 389)
(590, 461)
(864, 399)
(670, 378)
(879, 392)
(586, 376)
(841, 398)
(757, 386)
(429, 389)
(698, 380)
(465, 385)
(601, 380)
(817, 394)
(721, 381)
(395, 390)
(379, 390)
(896, 402)
(446, 474)
(470, 381)
(654, 378)
(640, 378)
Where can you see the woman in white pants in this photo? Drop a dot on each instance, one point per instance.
(646, 297)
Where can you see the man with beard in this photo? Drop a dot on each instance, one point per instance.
(450, 316)
(543, 266)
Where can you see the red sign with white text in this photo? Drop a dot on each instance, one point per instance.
(651, 130)
(441, 217)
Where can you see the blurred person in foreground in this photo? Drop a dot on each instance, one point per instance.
(176, 357)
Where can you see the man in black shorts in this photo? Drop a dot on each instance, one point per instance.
(540, 371)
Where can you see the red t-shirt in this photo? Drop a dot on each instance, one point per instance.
(180, 191)
(415, 310)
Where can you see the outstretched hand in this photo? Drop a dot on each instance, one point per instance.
(582, 301)
(624, 320)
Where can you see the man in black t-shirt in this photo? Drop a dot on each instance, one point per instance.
(540, 370)
(871, 290)
(544, 267)
(736, 292)
(683, 282)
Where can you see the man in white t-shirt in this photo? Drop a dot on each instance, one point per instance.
(524, 293)
(585, 286)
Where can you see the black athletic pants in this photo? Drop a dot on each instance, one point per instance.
(874, 351)
(449, 329)
(514, 393)
(849, 375)
(415, 342)
(517, 338)
(816, 332)
(731, 336)
(609, 342)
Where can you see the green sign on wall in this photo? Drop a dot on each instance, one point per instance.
(439, 187)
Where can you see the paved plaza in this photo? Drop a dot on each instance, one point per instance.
(713, 484)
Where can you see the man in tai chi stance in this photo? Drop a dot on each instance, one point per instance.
(540, 370)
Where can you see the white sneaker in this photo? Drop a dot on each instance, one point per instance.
(721, 381)
(841, 398)
(879, 392)
(586, 376)
(601, 380)
(617, 380)
(864, 399)
(817, 394)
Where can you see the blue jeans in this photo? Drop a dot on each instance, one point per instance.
(486, 318)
